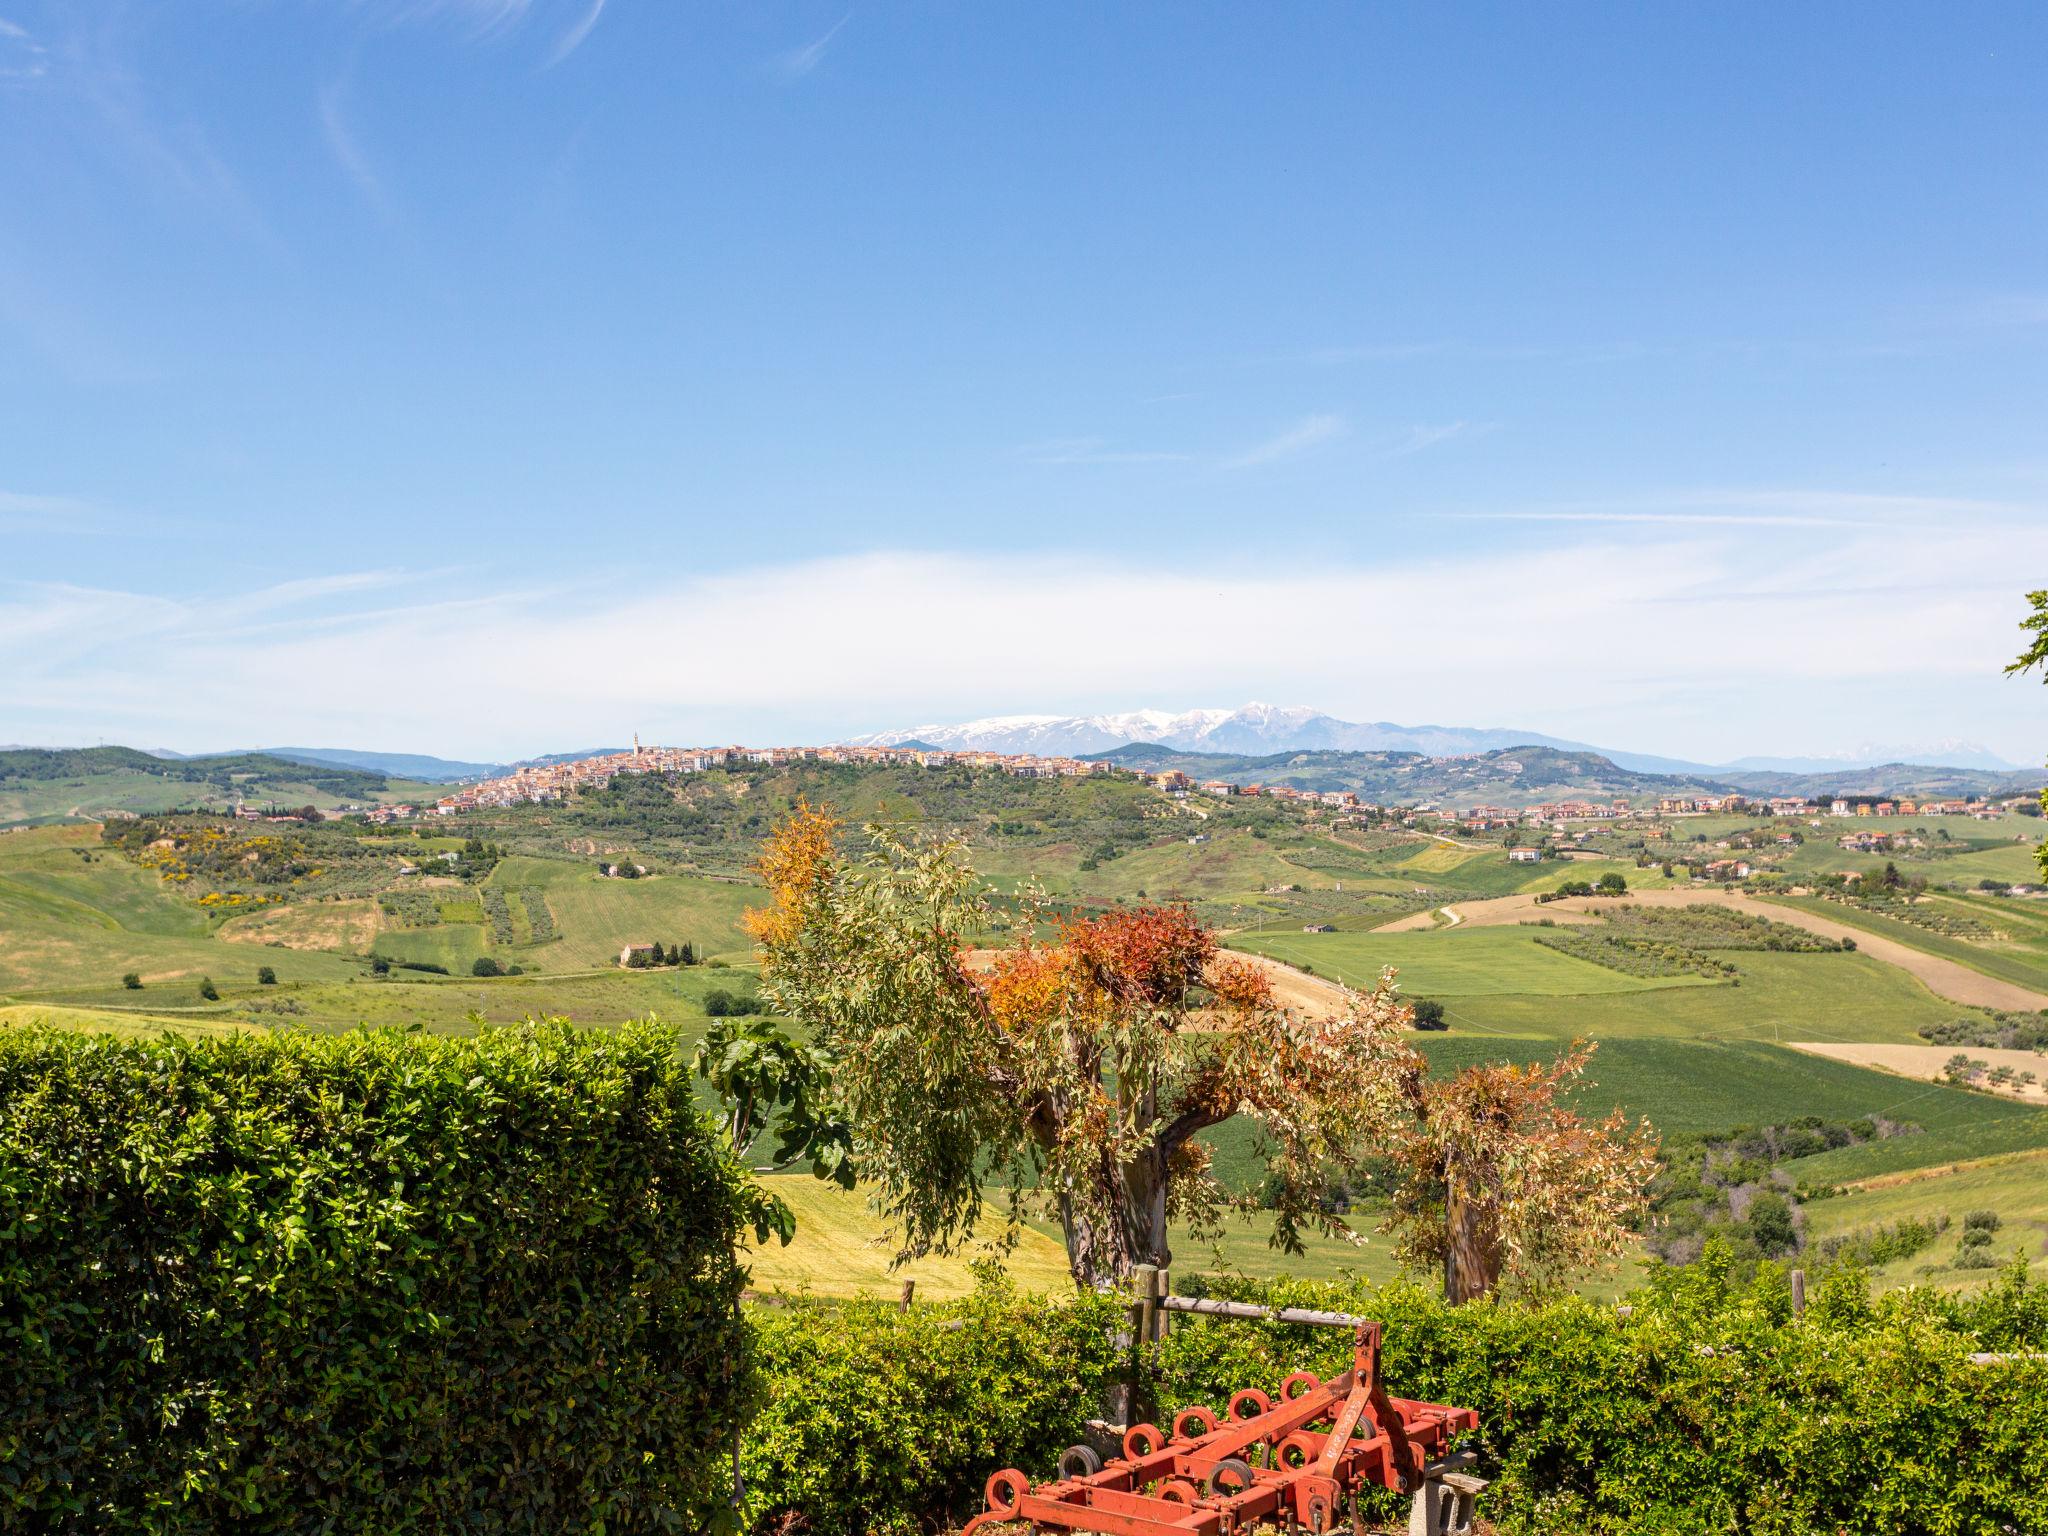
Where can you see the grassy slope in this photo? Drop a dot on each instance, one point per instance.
(2015, 1187)
(447, 1004)
(126, 1026)
(74, 925)
(837, 1252)
(597, 917)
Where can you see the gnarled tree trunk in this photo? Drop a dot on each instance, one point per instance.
(1471, 1245)
(1102, 1251)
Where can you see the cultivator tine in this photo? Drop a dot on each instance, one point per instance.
(1322, 1443)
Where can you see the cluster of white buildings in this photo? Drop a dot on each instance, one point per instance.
(554, 781)
(1484, 818)
(1179, 785)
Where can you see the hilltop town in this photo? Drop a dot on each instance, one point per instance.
(540, 784)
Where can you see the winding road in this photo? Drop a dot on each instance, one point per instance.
(1944, 978)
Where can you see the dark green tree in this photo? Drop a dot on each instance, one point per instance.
(2035, 624)
(132, 981)
(208, 990)
(1770, 1223)
(266, 976)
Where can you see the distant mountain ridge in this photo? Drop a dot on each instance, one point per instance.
(1259, 729)
(421, 766)
(397, 765)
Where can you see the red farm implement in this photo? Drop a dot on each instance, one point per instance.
(1297, 1462)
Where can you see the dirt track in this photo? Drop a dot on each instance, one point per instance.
(1927, 1061)
(1944, 978)
(1494, 912)
(1297, 989)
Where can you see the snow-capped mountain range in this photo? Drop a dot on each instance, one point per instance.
(1251, 729)
(1261, 729)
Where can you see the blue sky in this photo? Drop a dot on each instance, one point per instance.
(488, 378)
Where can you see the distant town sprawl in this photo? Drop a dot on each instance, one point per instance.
(556, 781)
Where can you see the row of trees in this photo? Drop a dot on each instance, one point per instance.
(1083, 1066)
(642, 957)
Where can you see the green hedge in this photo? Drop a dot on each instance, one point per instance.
(364, 1283)
(1707, 1409)
(884, 1422)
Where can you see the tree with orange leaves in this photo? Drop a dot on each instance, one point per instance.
(1502, 1186)
(1082, 1066)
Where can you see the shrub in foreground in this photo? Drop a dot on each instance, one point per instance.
(1707, 1408)
(884, 1422)
(364, 1283)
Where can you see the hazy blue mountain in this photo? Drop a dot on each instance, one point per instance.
(397, 765)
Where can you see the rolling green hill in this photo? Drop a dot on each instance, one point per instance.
(39, 786)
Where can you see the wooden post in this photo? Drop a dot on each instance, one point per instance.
(1145, 1288)
(1799, 1293)
(909, 1288)
(1165, 1318)
(1144, 1318)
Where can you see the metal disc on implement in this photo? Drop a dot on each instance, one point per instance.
(1233, 1474)
(1079, 1461)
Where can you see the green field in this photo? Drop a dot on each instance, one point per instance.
(1779, 997)
(597, 917)
(1452, 963)
(1709, 1085)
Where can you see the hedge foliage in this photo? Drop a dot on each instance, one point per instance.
(884, 1422)
(364, 1283)
(1706, 1409)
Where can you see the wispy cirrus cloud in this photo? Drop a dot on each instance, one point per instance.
(22, 58)
(347, 152)
(1420, 439)
(799, 62)
(1309, 432)
(573, 39)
